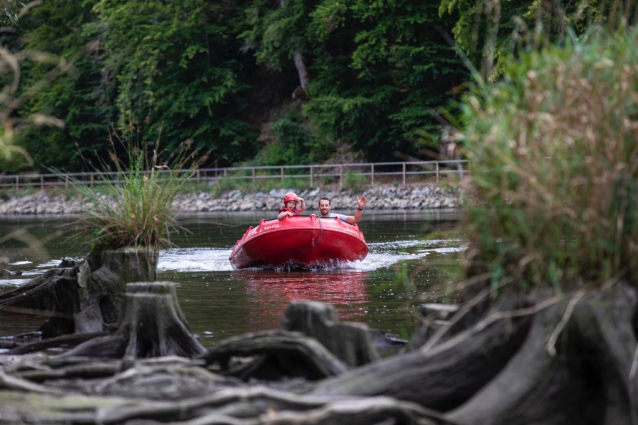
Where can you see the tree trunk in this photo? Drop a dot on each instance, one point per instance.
(83, 297)
(301, 70)
(440, 378)
(153, 326)
(587, 381)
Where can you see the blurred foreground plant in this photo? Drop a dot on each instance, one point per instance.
(553, 151)
(12, 95)
(133, 204)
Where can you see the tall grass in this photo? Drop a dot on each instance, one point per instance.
(553, 152)
(134, 205)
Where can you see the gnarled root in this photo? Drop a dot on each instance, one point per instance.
(153, 326)
(585, 377)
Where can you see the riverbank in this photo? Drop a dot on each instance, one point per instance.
(379, 198)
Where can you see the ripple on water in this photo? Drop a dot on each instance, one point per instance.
(381, 255)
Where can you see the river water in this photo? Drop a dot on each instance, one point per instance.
(413, 256)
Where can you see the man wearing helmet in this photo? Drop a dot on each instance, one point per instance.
(324, 207)
(290, 206)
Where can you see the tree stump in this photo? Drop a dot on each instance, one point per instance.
(153, 325)
(350, 342)
(83, 297)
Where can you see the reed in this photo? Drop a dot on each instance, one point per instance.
(134, 205)
(553, 152)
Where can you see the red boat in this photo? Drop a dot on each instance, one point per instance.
(299, 242)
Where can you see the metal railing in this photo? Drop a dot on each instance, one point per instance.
(372, 172)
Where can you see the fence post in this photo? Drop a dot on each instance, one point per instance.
(92, 179)
(197, 172)
(282, 174)
(371, 173)
(312, 180)
(404, 179)
(437, 172)
(341, 175)
(66, 182)
(253, 175)
(42, 183)
(17, 183)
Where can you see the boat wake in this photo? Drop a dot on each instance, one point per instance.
(193, 260)
(382, 254)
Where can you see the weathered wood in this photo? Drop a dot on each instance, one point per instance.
(64, 341)
(132, 264)
(87, 296)
(351, 342)
(242, 406)
(587, 381)
(54, 296)
(153, 326)
(440, 378)
(282, 354)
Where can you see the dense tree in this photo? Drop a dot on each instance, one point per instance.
(177, 66)
(489, 31)
(384, 69)
(80, 98)
(296, 80)
(377, 70)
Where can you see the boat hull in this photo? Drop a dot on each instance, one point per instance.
(299, 241)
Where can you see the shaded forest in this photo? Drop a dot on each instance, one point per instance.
(264, 82)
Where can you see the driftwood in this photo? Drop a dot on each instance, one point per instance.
(440, 378)
(310, 343)
(153, 325)
(64, 341)
(241, 406)
(526, 360)
(280, 354)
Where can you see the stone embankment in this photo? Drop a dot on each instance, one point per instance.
(379, 198)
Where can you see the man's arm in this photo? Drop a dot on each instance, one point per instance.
(361, 202)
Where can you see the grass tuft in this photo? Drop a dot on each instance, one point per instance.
(553, 152)
(133, 205)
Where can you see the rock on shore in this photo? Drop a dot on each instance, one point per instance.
(379, 198)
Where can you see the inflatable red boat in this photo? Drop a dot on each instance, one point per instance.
(299, 241)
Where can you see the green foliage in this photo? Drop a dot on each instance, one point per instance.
(177, 64)
(354, 180)
(133, 206)
(247, 185)
(488, 33)
(379, 72)
(18, 114)
(277, 30)
(289, 143)
(79, 99)
(383, 68)
(554, 165)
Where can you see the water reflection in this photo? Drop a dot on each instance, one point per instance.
(346, 291)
